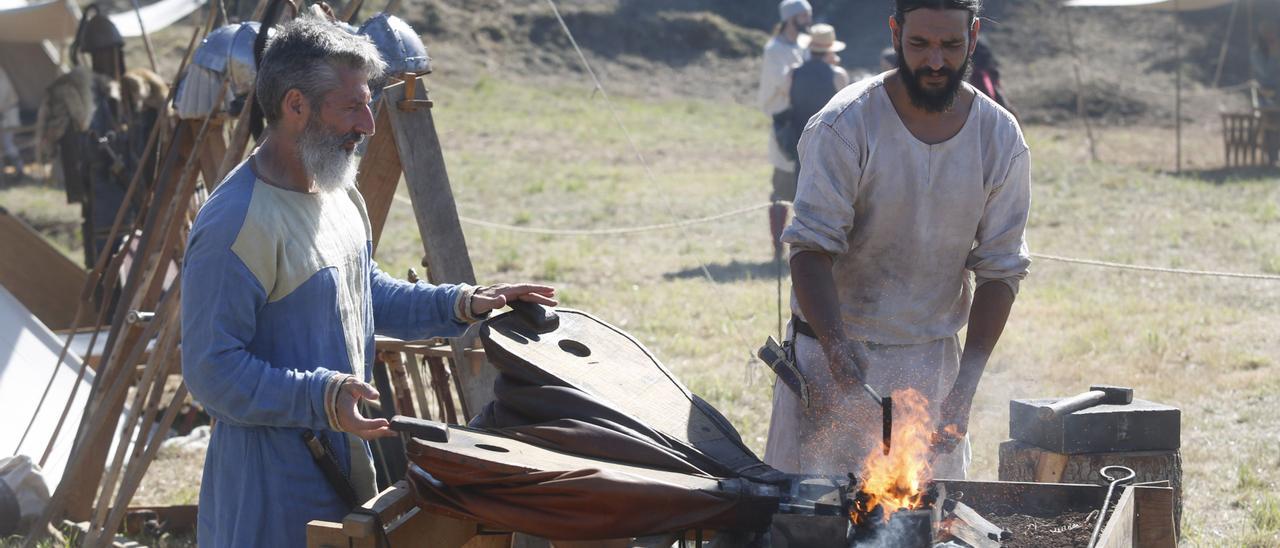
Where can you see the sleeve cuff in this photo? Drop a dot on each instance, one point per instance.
(462, 310)
(331, 391)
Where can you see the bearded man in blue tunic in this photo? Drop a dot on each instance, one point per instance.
(281, 299)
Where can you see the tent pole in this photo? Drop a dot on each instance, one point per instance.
(146, 38)
(1249, 38)
(1177, 107)
(1226, 42)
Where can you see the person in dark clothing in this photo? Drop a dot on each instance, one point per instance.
(812, 84)
(986, 76)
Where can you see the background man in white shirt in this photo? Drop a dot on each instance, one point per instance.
(786, 50)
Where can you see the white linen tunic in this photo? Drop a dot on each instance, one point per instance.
(906, 223)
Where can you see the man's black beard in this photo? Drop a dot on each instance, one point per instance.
(930, 101)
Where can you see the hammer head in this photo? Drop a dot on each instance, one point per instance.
(1115, 395)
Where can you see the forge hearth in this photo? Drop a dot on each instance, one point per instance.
(1009, 514)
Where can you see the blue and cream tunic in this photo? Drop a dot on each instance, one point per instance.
(280, 301)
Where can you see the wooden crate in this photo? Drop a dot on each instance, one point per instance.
(1021, 461)
(1143, 516)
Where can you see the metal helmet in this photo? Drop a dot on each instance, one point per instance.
(398, 44)
(100, 33)
(228, 50)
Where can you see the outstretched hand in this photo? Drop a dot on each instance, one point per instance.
(493, 297)
(349, 417)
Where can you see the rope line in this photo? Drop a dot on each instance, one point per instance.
(600, 88)
(609, 231)
(757, 207)
(1160, 269)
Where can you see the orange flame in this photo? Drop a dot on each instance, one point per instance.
(897, 481)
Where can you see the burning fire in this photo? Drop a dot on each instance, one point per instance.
(898, 481)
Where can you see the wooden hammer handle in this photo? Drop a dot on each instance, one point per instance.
(1072, 404)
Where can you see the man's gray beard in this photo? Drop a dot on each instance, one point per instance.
(327, 163)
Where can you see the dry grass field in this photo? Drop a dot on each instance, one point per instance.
(538, 156)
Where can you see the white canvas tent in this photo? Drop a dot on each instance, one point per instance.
(28, 350)
(154, 16)
(33, 36)
(31, 41)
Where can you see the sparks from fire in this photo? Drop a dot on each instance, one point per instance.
(899, 480)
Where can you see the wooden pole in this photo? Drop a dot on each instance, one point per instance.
(1177, 107)
(146, 38)
(447, 259)
(1226, 43)
(380, 172)
(1075, 69)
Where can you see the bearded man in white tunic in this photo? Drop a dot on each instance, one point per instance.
(910, 223)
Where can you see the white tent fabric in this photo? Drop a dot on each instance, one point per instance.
(154, 16)
(53, 20)
(1164, 5)
(28, 353)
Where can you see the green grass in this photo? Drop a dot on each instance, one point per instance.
(553, 157)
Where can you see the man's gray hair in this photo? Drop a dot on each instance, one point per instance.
(305, 54)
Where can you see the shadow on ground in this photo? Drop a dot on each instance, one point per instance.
(1227, 175)
(734, 271)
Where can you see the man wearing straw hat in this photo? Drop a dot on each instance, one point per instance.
(812, 85)
(786, 50)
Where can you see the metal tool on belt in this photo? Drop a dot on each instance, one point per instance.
(783, 365)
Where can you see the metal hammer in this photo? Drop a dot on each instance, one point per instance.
(1098, 394)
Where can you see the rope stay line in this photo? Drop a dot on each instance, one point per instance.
(757, 207)
(1158, 269)
(610, 231)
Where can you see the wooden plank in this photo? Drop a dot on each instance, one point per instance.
(444, 395)
(39, 275)
(447, 259)
(1118, 532)
(474, 377)
(380, 172)
(400, 382)
(326, 534)
(502, 540)
(215, 147)
(389, 504)
(1154, 522)
(420, 386)
(1050, 466)
(444, 532)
